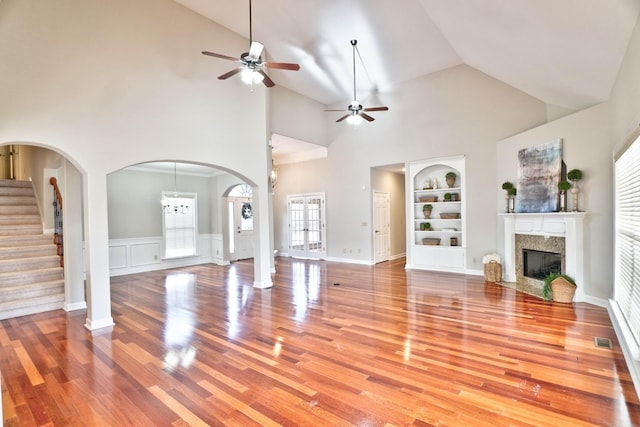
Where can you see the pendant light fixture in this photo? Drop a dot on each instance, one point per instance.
(174, 205)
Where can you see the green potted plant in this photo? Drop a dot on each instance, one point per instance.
(559, 287)
(447, 197)
(426, 226)
(507, 186)
(426, 210)
(563, 187)
(511, 199)
(450, 177)
(575, 175)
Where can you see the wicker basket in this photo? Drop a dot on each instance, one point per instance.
(562, 290)
(432, 241)
(493, 271)
(450, 215)
(428, 199)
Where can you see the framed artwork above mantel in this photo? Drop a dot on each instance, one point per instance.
(539, 172)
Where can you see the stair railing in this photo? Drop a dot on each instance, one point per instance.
(57, 219)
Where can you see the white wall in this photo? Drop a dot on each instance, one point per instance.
(296, 116)
(584, 146)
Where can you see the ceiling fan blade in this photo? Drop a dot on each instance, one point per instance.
(376, 109)
(342, 118)
(266, 80)
(333, 110)
(255, 50)
(367, 117)
(282, 66)
(230, 73)
(217, 55)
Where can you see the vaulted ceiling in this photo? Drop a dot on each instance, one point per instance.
(563, 52)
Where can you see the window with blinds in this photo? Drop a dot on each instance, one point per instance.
(179, 221)
(627, 238)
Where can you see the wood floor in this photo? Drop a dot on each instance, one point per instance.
(329, 344)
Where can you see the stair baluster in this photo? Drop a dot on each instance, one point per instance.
(57, 218)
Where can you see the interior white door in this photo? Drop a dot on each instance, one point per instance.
(381, 227)
(240, 228)
(307, 226)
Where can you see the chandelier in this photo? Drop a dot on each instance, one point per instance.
(174, 205)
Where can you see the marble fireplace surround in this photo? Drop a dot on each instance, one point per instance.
(567, 225)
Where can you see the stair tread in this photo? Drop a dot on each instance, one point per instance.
(15, 183)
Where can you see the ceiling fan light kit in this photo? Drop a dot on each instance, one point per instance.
(355, 111)
(251, 67)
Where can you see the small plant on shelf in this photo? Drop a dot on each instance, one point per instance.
(574, 175)
(426, 226)
(447, 197)
(507, 186)
(564, 185)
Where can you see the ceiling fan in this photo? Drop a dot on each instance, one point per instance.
(252, 64)
(356, 112)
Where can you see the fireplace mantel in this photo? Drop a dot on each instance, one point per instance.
(569, 225)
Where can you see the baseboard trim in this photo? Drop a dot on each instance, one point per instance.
(630, 349)
(74, 306)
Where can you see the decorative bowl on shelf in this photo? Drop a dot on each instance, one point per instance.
(450, 215)
(431, 241)
(428, 198)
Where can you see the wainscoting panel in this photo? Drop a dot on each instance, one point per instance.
(127, 256)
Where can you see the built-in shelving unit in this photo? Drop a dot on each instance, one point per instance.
(436, 242)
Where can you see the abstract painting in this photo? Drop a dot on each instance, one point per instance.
(539, 171)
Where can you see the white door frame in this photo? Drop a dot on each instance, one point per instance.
(306, 218)
(242, 237)
(381, 227)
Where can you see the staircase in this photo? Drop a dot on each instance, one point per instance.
(31, 278)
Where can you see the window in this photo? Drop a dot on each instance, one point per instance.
(179, 224)
(627, 237)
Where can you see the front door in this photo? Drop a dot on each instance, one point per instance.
(240, 228)
(307, 226)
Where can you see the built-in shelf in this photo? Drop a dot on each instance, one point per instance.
(442, 246)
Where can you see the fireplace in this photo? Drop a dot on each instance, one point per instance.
(536, 247)
(558, 233)
(538, 264)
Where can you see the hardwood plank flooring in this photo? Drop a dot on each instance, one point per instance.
(329, 344)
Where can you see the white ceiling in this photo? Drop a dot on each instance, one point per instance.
(563, 52)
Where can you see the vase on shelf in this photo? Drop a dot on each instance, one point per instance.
(426, 211)
(562, 201)
(574, 191)
(507, 199)
(511, 204)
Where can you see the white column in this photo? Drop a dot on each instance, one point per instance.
(263, 254)
(509, 261)
(96, 228)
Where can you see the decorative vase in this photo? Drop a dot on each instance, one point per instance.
(507, 199)
(451, 181)
(575, 190)
(512, 204)
(426, 213)
(562, 201)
